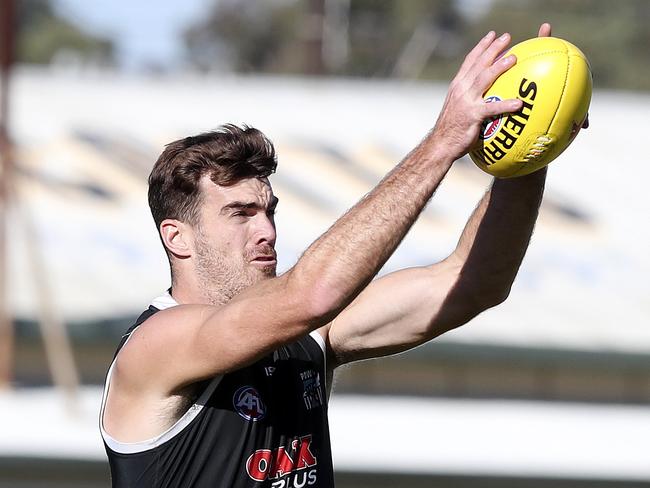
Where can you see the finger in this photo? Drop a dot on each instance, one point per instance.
(544, 30)
(475, 53)
(497, 47)
(493, 109)
(489, 76)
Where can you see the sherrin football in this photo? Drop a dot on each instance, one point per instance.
(553, 79)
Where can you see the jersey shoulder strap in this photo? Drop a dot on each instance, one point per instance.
(143, 316)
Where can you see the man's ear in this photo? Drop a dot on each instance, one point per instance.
(176, 237)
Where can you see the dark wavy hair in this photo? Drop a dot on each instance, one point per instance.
(228, 154)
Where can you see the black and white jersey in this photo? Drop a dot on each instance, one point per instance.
(262, 426)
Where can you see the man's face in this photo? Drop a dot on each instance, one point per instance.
(235, 239)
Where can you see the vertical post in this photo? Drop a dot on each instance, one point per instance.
(55, 338)
(6, 58)
(57, 344)
(313, 37)
(336, 27)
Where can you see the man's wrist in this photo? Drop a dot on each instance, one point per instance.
(438, 152)
(535, 178)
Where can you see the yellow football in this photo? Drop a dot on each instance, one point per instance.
(553, 79)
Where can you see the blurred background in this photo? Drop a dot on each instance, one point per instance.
(551, 389)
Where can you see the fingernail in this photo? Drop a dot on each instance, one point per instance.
(509, 59)
(503, 37)
(488, 34)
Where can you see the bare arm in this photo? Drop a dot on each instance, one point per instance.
(409, 307)
(500, 230)
(188, 343)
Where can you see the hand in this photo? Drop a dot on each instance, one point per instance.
(464, 110)
(545, 31)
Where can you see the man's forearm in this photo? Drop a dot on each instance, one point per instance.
(351, 252)
(346, 258)
(495, 239)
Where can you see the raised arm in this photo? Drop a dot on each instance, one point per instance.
(410, 307)
(188, 343)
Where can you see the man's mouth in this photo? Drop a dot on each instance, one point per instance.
(265, 260)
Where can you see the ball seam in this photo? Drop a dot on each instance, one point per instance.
(543, 53)
(517, 171)
(566, 78)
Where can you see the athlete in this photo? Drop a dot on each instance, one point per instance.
(223, 381)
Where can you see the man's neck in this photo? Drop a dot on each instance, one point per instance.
(185, 294)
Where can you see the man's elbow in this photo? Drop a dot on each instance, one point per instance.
(321, 306)
(476, 300)
(319, 302)
(465, 302)
(464, 312)
(486, 299)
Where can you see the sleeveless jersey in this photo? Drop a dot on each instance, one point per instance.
(263, 426)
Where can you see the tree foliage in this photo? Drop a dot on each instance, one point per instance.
(42, 34)
(615, 36)
(417, 38)
(244, 36)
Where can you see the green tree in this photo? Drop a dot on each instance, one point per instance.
(42, 34)
(393, 38)
(417, 38)
(246, 36)
(614, 36)
(286, 36)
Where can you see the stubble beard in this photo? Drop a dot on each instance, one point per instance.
(222, 276)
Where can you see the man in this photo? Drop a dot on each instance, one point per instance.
(223, 381)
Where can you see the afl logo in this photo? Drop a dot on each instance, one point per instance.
(491, 126)
(248, 404)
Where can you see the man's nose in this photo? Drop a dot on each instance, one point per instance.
(265, 230)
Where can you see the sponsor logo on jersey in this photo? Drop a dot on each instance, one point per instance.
(491, 126)
(313, 393)
(291, 466)
(248, 404)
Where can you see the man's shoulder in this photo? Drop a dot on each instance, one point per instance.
(147, 346)
(155, 327)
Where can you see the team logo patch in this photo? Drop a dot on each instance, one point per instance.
(248, 404)
(491, 126)
(312, 391)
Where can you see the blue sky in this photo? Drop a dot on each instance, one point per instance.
(144, 31)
